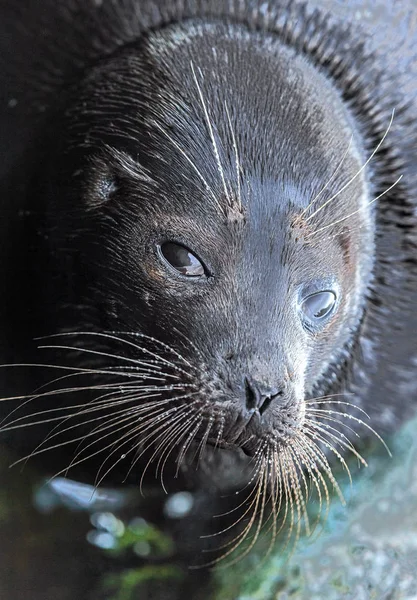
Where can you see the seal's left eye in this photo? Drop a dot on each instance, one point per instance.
(318, 306)
(182, 259)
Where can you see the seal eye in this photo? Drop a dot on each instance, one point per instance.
(318, 306)
(182, 260)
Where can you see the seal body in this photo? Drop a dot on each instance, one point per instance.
(212, 213)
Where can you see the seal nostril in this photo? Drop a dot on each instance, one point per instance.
(252, 395)
(268, 399)
(266, 402)
(257, 400)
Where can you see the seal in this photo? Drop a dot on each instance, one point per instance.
(209, 228)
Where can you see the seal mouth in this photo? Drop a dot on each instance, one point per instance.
(249, 429)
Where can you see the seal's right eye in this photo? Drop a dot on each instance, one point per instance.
(181, 259)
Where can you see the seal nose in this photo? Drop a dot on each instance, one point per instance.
(258, 398)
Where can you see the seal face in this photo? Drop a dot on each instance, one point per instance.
(210, 187)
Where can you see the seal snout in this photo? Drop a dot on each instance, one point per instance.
(257, 397)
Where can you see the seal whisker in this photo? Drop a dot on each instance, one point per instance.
(97, 404)
(84, 409)
(130, 370)
(315, 423)
(318, 433)
(303, 462)
(131, 415)
(274, 512)
(122, 424)
(190, 343)
(324, 430)
(278, 494)
(211, 132)
(176, 444)
(75, 371)
(256, 461)
(356, 211)
(321, 412)
(32, 397)
(153, 410)
(308, 456)
(96, 334)
(89, 351)
(108, 355)
(274, 475)
(320, 401)
(188, 409)
(253, 491)
(304, 496)
(290, 489)
(269, 500)
(179, 436)
(316, 419)
(130, 436)
(176, 421)
(160, 343)
(276, 498)
(329, 181)
(236, 540)
(127, 437)
(257, 515)
(134, 415)
(249, 485)
(320, 457)
(163, 416)
(378, 146)
(145, 425)
(308, 450)
(51, 393)
(134, 393)
(278, 491)
(330, 396)
(139, 376)
(108, 335)
(193, 416)
(296, 495)
(88, 457)
(193, 165)
(111, 336)
(261, 521)
(221, 421)
(185, 447)
(238, 166)
(204, 440)
(298, 457)
(289, 502)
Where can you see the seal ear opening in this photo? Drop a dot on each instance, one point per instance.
(102, 185)
(109, 173)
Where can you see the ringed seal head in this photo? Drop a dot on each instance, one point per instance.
(208, 193)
